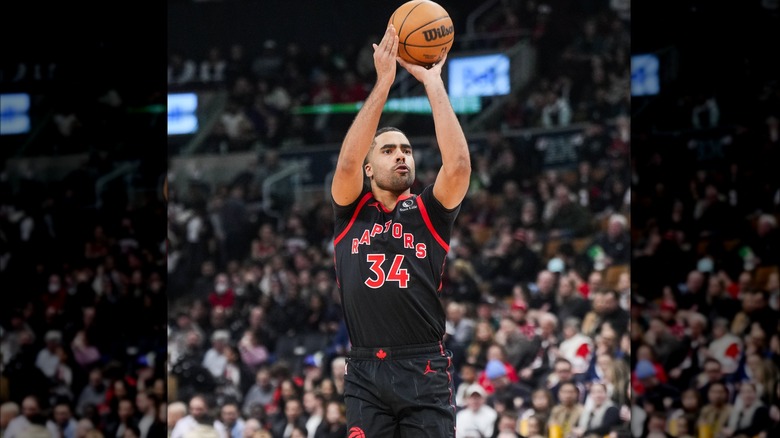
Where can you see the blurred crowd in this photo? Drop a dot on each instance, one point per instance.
(704, 327)
(582, 61)
(83, 314)
(536, 290)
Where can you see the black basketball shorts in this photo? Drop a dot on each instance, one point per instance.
(400, 392)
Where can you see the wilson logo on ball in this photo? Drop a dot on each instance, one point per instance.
(440, 32)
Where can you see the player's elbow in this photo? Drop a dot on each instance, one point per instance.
(348, 165)
(461, 167)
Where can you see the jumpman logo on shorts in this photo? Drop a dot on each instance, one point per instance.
(428, 369)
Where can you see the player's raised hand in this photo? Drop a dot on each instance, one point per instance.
(385, 54)
(421, 73)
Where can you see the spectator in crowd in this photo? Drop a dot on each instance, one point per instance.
(176, 411)
(540, 408)
(94, 393)
(292, 416)
(126, 419)
(659, 395)
(63, 419)
(750, 416)
(198, 415)
(682, 421)
(31, 415)
(576, 348)
(566, 413)
(572, 306)
(83, 427)
(261, 393)
(230, 421)
(478, 418)
(725, 346)
(615, 242)
(253, 352)
(715, 414)
(600, 417)
(459, 327)
(8, 411)
(215, 360)
(334, 424)
(314, 407)
(562, 374)
(150, 407)
(504, 388)
(564, 216)
(506, 425)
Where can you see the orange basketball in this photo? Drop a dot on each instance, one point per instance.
(425, 31)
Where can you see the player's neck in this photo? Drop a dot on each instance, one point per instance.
(388, 199)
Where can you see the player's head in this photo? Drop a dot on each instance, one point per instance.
(389, 164)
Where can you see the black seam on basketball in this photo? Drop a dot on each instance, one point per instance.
(422, 61)
(407, 16)
(434, 45)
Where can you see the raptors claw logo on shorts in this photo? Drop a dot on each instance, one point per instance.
(356, 432)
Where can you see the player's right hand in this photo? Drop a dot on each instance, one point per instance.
(385, 55)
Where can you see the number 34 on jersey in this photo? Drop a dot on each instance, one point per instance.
(396, 272)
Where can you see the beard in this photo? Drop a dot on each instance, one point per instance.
(394, 182)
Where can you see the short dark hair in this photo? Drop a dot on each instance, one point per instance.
(377, 134)
(386, 129)
(719, 383)
(572, 384)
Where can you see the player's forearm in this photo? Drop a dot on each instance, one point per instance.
(358, 139)
(348, 176)
(449, 134)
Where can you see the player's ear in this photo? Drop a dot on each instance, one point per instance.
(369, 171)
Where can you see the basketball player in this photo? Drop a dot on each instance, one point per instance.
(390, 249)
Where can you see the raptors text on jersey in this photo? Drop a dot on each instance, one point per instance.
(389, 265)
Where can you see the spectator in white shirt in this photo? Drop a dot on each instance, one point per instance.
(215, 359)
(199, 411)
(176, 411)
(48, 359)
(8, 411)
(477, 419)
(31, 409)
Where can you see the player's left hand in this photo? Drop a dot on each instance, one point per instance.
(422, 73)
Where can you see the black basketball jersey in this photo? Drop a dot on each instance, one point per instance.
(389, 266)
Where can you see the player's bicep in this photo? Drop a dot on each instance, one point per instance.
(347, 184)
(451, 185)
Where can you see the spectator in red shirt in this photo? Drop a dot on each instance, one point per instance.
(222, 295)
(56, 295)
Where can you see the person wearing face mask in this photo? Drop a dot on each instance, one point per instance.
(56, 295)
(223, 295)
